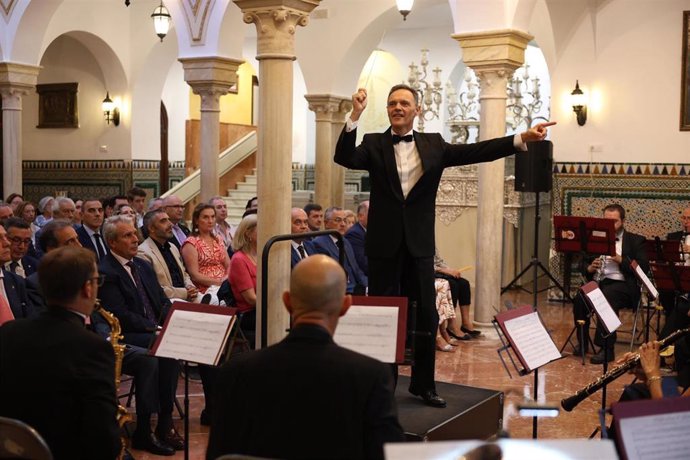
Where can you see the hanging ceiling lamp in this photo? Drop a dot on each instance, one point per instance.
(405, 6)
(161, 20)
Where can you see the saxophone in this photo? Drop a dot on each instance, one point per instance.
(119, 350)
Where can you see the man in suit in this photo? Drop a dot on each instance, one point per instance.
(76, 412)
(346, 407)
(64, 208)
(14, 302)
(173, 206)
(334, 219)
(300, 248)
(617, 281)
(668, 299)
(683, 236)
(356, 236)
(315, 216)
(89, 233)
(19, 235)
(136, 197)
(405, 169)
(165, 258)
(132, 293)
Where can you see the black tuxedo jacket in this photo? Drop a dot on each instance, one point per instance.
(675, 236)
(60, 379)
(120, 296)
(295, 257)
(17, 296)
(87, 241)
(393, 219)
(357, 236)
(304, 397)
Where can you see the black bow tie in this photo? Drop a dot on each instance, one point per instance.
(397, 139)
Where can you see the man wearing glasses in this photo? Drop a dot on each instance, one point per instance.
(174, 208)
(19, 235)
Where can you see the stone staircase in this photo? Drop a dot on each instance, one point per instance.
(237, 198)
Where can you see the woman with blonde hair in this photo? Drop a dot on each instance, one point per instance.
(242, 274)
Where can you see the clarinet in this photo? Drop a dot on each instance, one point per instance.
(568, 404)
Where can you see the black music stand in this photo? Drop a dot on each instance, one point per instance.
(584, 236)
(667, 253)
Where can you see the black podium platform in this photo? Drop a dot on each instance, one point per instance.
(472, 413)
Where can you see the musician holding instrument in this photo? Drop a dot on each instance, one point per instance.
(616, 280)
(683, 236)
(56, 375)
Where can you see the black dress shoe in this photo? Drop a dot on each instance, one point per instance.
(599, 357)
(430, 398)
(152, 444)
(172, 438)
(461, 337)
(474, 333)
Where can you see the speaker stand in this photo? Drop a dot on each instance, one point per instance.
(535, 264)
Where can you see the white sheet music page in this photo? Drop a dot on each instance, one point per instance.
(656, 437)
(369, 330)
(194, 336)
(604, 310)
(647, 282)
(532, 341)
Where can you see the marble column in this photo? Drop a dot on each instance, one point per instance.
(16, 80)
(210, 78)
(329, 178)
(493, 56)
(276, 22)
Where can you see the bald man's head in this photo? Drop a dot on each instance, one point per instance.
(317, 291)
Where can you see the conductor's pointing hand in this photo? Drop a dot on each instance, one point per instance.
(537, 132)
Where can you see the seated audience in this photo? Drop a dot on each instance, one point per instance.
(78, 203)
(242, 273)
(461, 293)
(252, 204)
(64, 208)
(5, 211)
(132, 293)
(136, 198)
(350, 219)
(15, 302)
(300, 248)
(173, 206)
(14, 199)
(326, 244)
(203, 251)
(445, 310)
(315, 216)
(356, 235)
(222, 227)
(63, 384)
(45, 211)
(19, 235)
(346, 407)
(110, 203)
(27, 211)
(89, 233)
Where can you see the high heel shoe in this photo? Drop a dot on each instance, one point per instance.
(458, 337)
(472, 333)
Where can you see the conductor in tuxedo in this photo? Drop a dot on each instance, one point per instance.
(56, 376)
(306, 397)
(405, 169)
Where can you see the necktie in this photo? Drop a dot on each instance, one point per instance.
(302, 252)
(397, 139)
(148, 311)
(13, 267)
(17, 269)
(5, 310)
(99, 246)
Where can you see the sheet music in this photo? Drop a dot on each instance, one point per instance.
(195, 337)
(651, 437)
(604, 310)
(370, 330)
(532, 341)
(647, 282)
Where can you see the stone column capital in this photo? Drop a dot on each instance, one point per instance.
(496, 49)
(210, 77)
(276, 22)
(16, 81)
(329, 107)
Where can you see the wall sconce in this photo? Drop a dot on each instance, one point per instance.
(579, 103)
(161, 20)
(404, 7)
(110, 110)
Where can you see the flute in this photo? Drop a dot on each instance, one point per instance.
(569, 403)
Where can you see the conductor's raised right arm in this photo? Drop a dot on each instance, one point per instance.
(347, 154)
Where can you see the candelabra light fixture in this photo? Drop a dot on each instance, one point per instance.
(430, 94)
(524, 100)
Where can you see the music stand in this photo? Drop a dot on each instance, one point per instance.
(584, 236)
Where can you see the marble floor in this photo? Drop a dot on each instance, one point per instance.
(476, 363)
